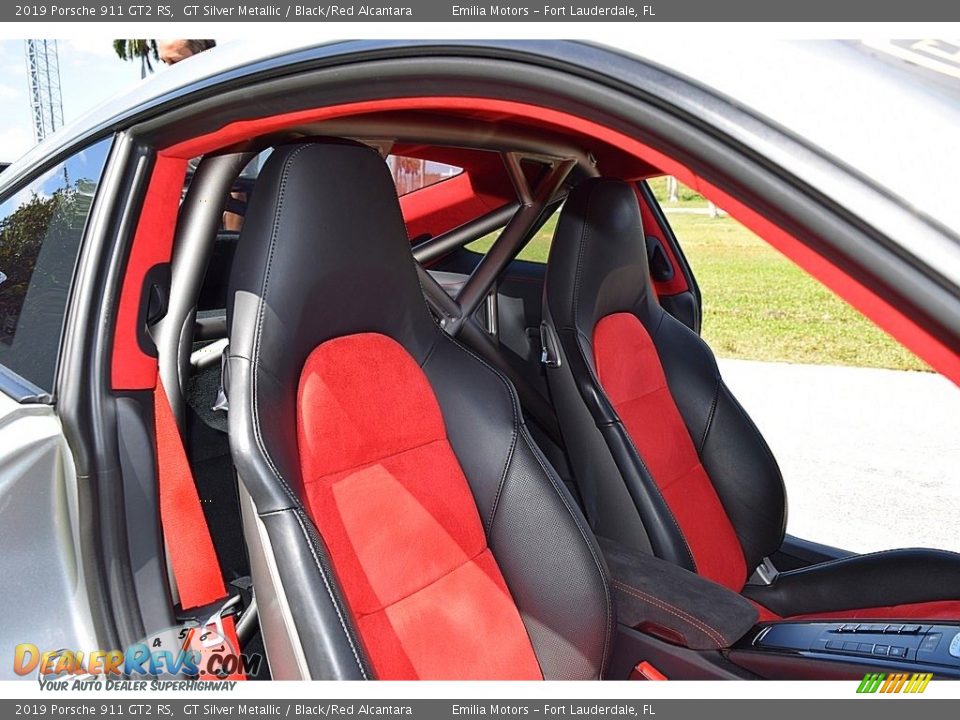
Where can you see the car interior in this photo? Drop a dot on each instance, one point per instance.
(420, 456)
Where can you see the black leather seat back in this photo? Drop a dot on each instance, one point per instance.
(311, 275)
(324, 254)
(598, 267)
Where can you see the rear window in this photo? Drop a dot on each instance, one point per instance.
(412, 174)
(41, 226)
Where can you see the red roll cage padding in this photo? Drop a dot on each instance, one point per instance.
(135, 369)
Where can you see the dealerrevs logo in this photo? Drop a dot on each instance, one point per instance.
(912, 683)
(189, 650)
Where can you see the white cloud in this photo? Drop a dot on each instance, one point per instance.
(10, 49)
(90, 73)
(90, 48)
(10, 92)
(15, 140)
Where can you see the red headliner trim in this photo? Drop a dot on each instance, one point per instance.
(896, 323)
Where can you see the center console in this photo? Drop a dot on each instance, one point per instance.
(848, 649)
(689, 627)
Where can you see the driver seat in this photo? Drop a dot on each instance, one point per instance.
(404, 523)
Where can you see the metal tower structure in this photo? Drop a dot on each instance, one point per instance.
(43, 69)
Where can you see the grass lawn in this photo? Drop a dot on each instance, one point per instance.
(535, 251)
(758, 305)
(686, 197)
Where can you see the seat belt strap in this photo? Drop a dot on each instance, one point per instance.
(193, 558)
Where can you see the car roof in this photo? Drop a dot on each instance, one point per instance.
(869, 111)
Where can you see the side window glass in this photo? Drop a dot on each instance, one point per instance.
(852, 417)
(41, 225)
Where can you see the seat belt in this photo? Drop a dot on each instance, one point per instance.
(193, 558)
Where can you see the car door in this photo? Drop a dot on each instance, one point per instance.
(44, 602)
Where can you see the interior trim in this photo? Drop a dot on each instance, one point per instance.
(281, 641)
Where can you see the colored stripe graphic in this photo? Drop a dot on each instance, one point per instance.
(870, 682)
(914, 683)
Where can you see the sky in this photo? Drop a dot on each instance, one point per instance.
(90, 73)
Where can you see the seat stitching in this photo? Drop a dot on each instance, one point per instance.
(711, 632)
(260, 316)
(333, 599)
(367, 463)
(573, 516)
(503, 480)
(710, 415)
(679, 476)
(579, 270)
(673, 610)
(642, 396)
(426, 585)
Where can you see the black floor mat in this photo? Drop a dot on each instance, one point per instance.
(202, 389)
(212, 467)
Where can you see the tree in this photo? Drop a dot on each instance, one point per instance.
(134, 49)
(53, 223)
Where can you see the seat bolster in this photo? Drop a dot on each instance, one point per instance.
(331, 645)
(733, 448)
(660, 526)
(663, 529)
(540, 540)
(876, 580)
(569, 614)
(468, 389)
(727, 441)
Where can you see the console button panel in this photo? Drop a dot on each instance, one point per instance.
(925, 644)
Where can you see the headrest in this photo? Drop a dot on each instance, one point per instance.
(598, 259)
(323, 253)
